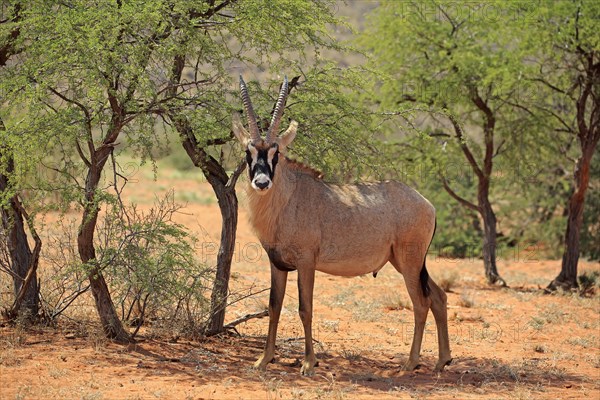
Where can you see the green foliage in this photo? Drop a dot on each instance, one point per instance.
(564, 31)
(442, 64)
(563, 55)
(439, 56)
(459, 232)
(92, 72)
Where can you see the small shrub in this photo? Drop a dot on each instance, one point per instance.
(150, 265)
(148, 261)
(589, 282)
(553, 314)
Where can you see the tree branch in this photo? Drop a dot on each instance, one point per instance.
(581, 107)
(236, 174)
(464, 147)
(212, 10)
(81, 155)
(83, 108)
(497, 152)
(521, 107)
(456, 197)
(549, 85)
(218, 141)
(8, 49)
(488, 130)
(568, 127)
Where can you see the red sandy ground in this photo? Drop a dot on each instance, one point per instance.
(507, 343)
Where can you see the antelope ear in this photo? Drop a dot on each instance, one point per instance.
(239, 131)
(288, 136)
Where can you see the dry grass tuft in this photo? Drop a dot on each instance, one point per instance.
(467, 300)
(448, 281)
(396, 302)
(351, 354)
(540, 348)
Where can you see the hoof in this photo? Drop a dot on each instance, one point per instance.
(308, 368)
(441, 364)
(261, 364)
(411, 365)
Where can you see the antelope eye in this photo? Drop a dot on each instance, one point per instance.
(248, 157)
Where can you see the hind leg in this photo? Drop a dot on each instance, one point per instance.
(439, 309)
(421, 305)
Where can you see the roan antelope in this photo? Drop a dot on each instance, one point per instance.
(307, 225)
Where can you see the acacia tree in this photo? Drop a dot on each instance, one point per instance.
(564, 53)
(456, 62)
(123, 64)
(80, 103)
(22, 260)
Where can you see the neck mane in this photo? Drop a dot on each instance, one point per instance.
(265, 209)
(301, 167)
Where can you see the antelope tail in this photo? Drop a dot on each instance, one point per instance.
(424, 275)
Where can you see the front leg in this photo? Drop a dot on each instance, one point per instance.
(306, 284)
(278, 283)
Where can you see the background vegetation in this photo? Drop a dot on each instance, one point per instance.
(462, 102)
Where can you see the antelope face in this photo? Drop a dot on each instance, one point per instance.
(262, 160)
(262, 155)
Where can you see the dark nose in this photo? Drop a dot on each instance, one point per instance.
(262, 185)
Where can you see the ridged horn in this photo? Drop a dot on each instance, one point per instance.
(278, 112)
(252, 124)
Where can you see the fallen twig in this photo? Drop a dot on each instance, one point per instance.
(245, 318)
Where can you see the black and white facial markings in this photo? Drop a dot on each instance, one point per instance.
(261, 165)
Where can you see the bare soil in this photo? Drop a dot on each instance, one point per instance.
(514, 343)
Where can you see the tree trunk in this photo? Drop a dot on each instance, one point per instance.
(21, 256)
(111, 324)
(483, 207)
(224, 188)
(567, 278)
(489, 247)
(228, 204)
(490, 234)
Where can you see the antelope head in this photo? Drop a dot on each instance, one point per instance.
(262, 155)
